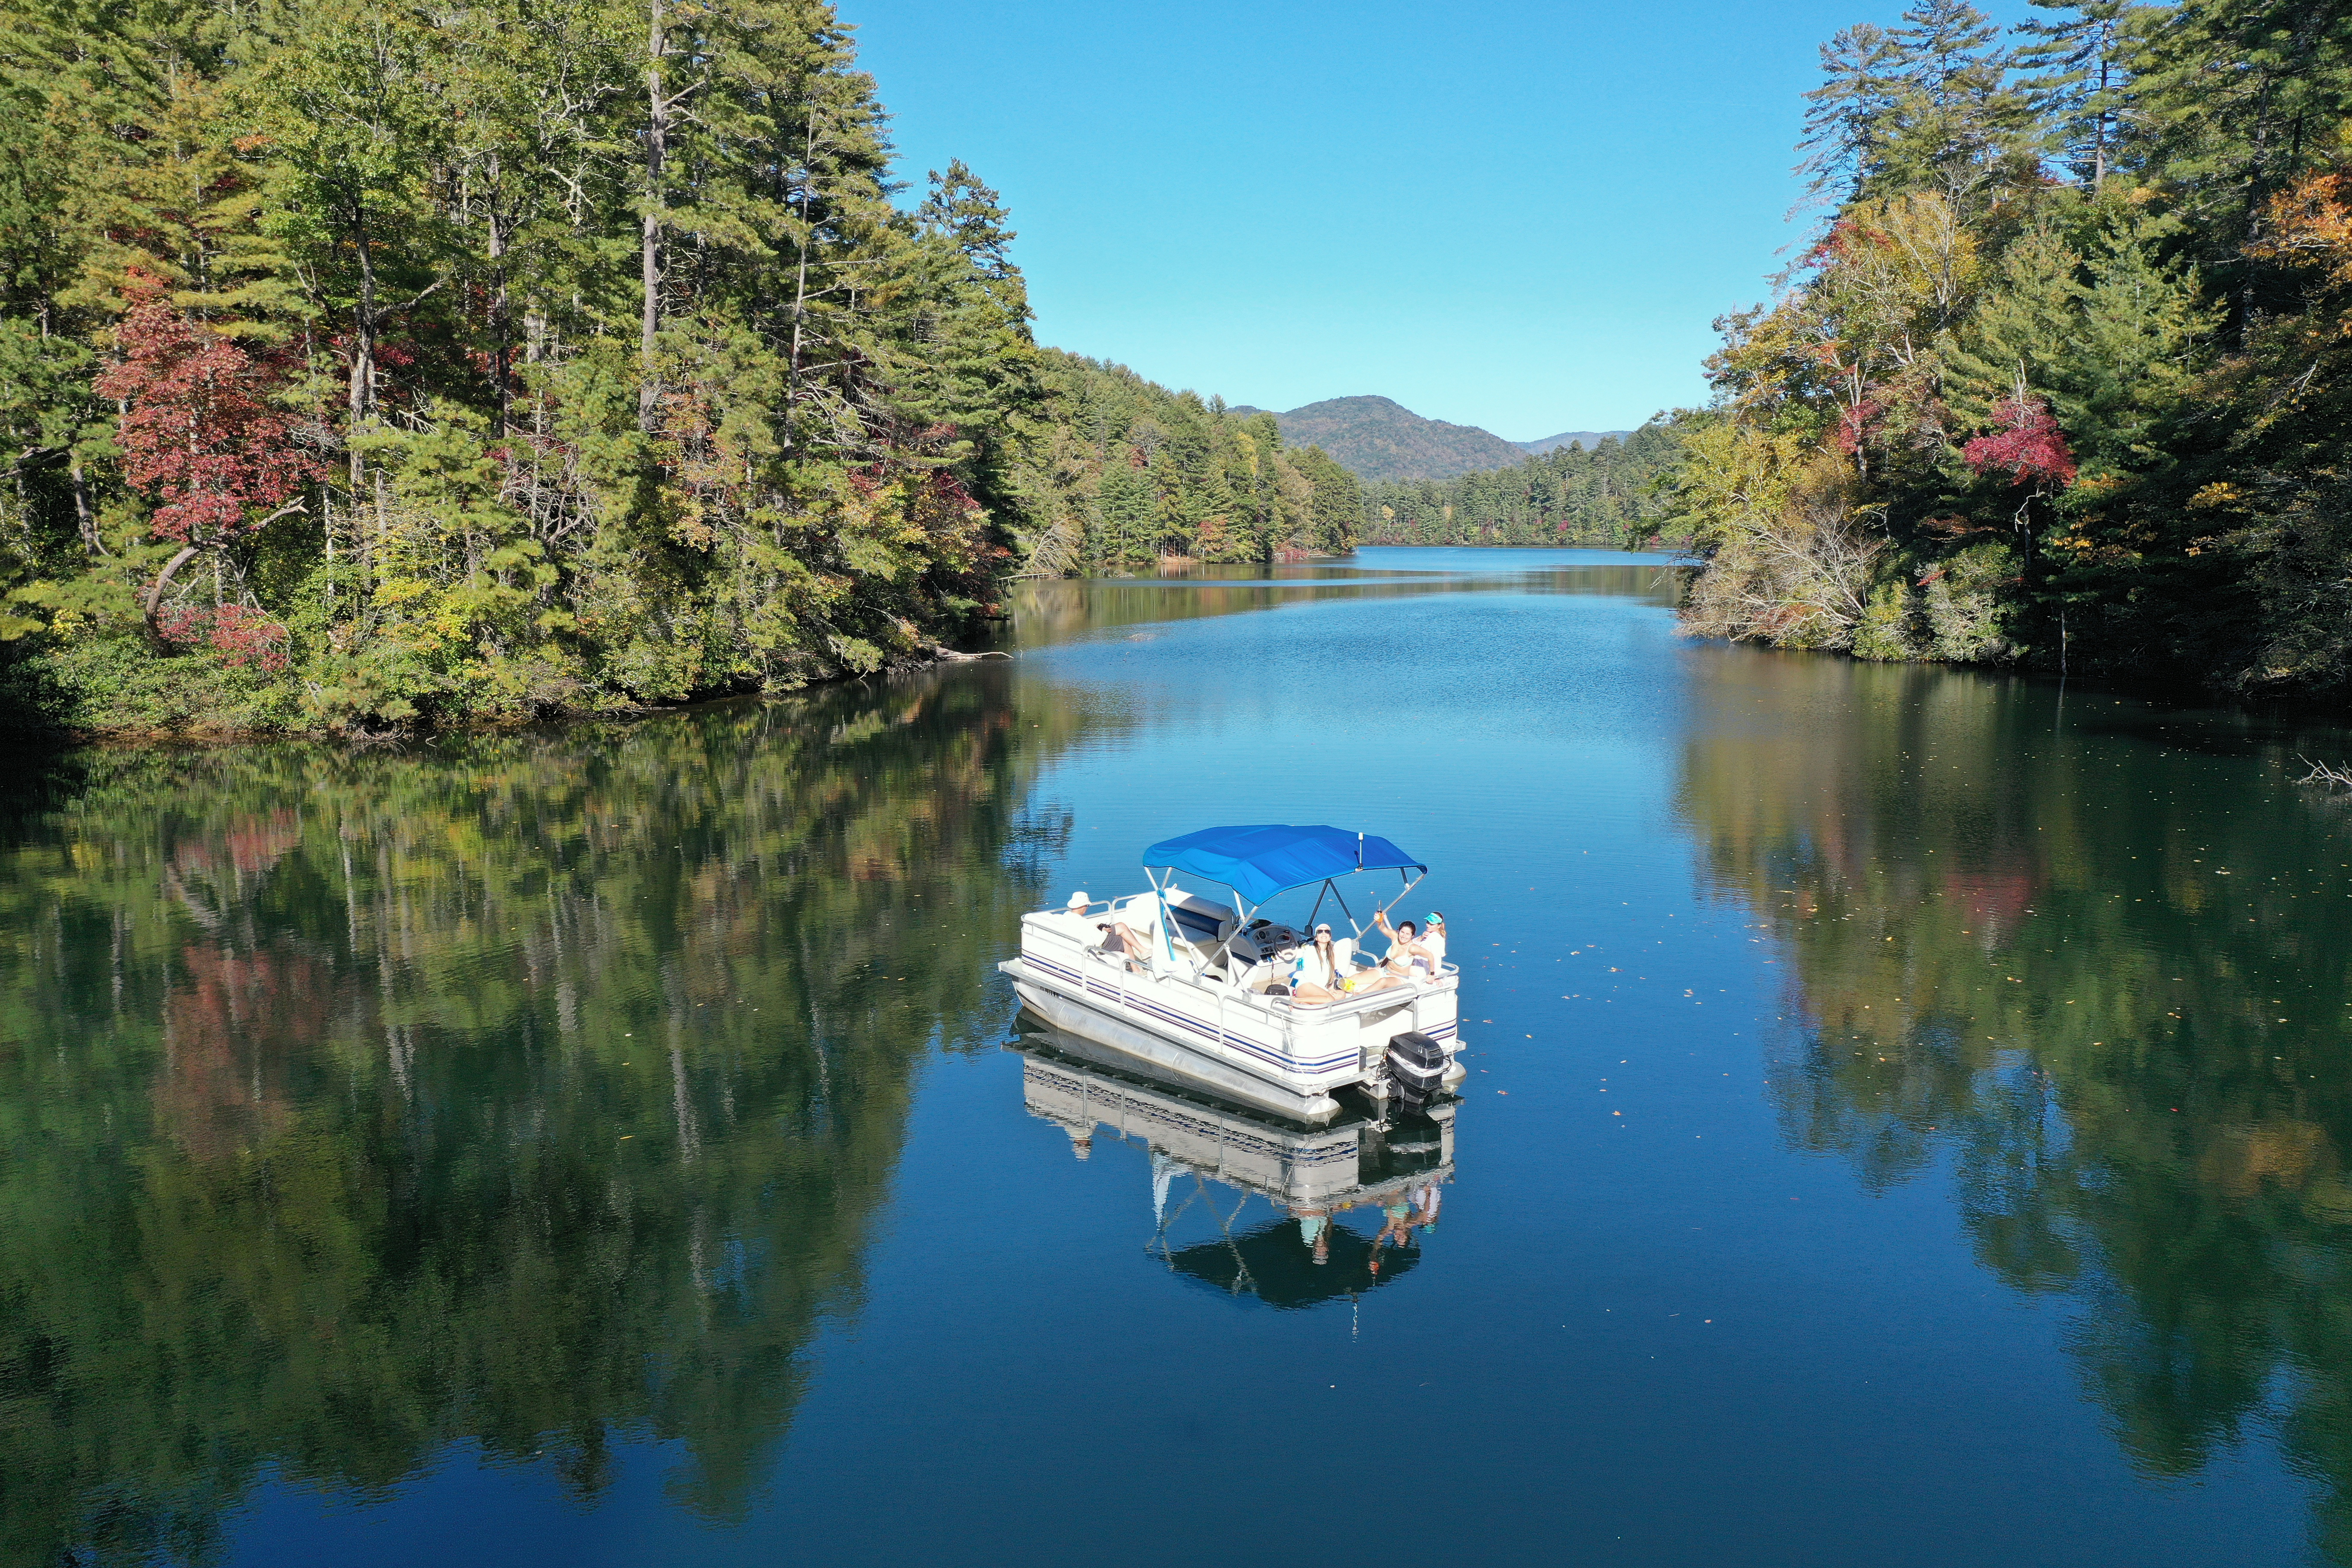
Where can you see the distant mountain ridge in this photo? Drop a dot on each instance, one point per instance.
(1586, 439)
(1378, 438)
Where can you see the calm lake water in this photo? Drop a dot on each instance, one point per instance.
(1906, 1121)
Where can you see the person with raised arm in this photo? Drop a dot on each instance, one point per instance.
(1407, 961)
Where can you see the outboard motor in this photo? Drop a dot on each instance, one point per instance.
(1417, 1067)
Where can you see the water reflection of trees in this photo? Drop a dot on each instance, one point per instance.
(2104, 967)
(529, 1089)
(1046, 611)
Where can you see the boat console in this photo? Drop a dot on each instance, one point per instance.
(1261, 940)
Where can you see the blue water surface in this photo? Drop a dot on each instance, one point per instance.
(1817, 1199)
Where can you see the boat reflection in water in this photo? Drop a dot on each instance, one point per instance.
(1392, 1170)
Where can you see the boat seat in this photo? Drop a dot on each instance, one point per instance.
(1201, 921)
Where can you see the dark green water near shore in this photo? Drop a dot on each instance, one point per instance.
(1909, 1120)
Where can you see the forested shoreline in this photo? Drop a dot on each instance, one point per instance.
(367, 368)
(2061, 382)
(1130, 474)
(1609, 494)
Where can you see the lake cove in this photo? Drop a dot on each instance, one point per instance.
(1905, 1120)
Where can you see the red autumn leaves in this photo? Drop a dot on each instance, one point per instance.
(198, 432)
(200, 436)
(2030, 450)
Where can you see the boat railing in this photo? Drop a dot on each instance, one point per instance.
(1096, 907)
(1277, 1007)
(1282, 1011)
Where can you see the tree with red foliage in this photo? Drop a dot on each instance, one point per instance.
(2030, 450)
(239, 635)
(1857, 420)
(199, 434)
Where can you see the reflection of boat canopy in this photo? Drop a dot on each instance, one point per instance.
(1207, 999)
(1274, 1263)
(1085, 1088)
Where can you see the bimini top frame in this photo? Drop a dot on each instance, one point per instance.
(1261, 862)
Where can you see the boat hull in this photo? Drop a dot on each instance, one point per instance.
(1080, 1016)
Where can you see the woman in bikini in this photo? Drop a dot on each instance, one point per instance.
(1408, 961)
(1315, 971)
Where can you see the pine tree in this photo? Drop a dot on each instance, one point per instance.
(2079, 78)
(2233, 100)
(1927, 105)
(1850, 118)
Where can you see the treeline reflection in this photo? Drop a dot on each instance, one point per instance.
(1047, 612)
(2101, 962)
(533, 1091)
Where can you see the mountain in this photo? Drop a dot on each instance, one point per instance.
(1588, 439)
(1380, 439)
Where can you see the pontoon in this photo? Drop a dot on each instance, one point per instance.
(1207, 1000)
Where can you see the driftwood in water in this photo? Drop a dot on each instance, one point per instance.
(2323, 774)
(946, 655)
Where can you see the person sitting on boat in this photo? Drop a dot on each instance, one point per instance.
(1314, 970)
(1407, 961)
(1432, 942)
(1119, 938)
(1409, 954)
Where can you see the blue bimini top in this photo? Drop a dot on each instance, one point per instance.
(1259, 862)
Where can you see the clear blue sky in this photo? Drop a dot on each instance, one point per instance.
(1518, 216)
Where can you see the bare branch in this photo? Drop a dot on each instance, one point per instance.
(2323, 776)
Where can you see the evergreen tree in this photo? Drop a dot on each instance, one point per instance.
(1927, 105)
(2079, 78)
(2234, 100)
(2095, 422)
(604, 363)
(1137, 473)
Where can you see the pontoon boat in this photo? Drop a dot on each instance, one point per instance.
(1208, 1000)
